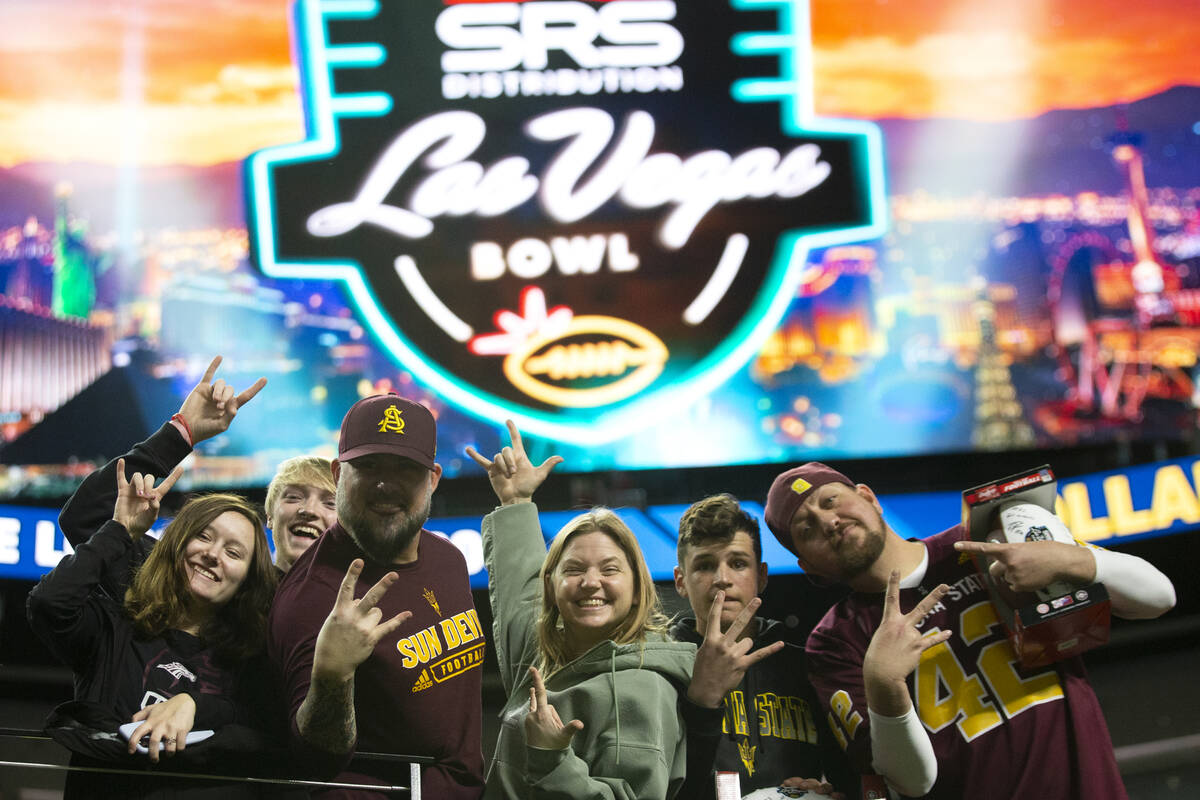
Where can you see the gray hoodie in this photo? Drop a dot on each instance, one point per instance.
(632, 743)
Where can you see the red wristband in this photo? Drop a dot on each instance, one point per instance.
(187, 428)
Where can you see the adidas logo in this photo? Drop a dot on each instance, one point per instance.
(423, 682)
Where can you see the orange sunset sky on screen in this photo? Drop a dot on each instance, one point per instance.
(191, 82)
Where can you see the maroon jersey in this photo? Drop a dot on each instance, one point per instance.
(998, 731)
(420, 692)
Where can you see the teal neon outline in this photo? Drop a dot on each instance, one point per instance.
(792, 90)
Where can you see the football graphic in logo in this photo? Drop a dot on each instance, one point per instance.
(581, 215)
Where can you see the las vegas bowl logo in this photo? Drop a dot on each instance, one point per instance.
(582, 215)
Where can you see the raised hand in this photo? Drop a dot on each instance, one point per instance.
(168, 722)
(138, 499)
(543, 727)
(896, 648)
(353, 628)
(1029, 566)
(514, 478)
(211, 406)
(723, 658)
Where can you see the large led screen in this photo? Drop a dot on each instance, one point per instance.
(656, 233)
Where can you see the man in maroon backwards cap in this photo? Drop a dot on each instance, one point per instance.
(932, 699)
(397, 670)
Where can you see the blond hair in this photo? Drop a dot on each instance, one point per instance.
(299, 471)
(645, 617)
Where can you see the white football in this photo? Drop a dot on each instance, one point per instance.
(782, 793)
(1028, 522)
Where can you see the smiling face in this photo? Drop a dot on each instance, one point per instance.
(217, 559)
(300, 514)
(728, 565)
(838, 531)
(593, 587)
(382, 502)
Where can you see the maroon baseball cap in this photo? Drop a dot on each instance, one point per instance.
(387, 423)
(790, 490)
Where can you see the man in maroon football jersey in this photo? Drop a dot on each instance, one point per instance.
(919, 680)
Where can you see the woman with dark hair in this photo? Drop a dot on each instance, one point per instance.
(168, 638)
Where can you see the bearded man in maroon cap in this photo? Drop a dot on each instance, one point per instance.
(395, 667)
(919, 680)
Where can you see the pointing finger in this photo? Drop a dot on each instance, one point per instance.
(346, 590)
(376, 592)
(482, 461)
(927, 603)
(891, 598)
(393, 624)
(514, 435)
(713, 631)
(169, 481)
(742, 619)
(248, 395)
(764, 652)
(539, 688)
(211, 371)
(972, 546)
(122, 481)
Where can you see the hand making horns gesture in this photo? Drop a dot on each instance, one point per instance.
(514, 478)
(543, 727)
(353, 628)
(210, 407)
(896, 648)
(138, 499)
(723, 658)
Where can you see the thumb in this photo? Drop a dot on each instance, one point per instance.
(141, 715)
(548, 465)
(573, 727)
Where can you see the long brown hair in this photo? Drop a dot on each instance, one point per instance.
(646, 615)
(158, 598)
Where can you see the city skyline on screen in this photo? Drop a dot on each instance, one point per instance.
(1038, 284)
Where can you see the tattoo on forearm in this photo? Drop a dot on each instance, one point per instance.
(326, 717)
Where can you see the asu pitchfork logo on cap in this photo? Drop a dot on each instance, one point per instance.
(579, 214)
(391, 422)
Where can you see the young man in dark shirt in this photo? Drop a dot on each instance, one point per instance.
(772, 733)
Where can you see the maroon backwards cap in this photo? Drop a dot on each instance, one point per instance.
(387, 423)
(791, 489)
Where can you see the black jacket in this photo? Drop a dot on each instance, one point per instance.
(772, 727)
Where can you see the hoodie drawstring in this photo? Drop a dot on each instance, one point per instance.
(612, 676)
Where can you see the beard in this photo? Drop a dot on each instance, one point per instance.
(855, 561)
(382, 539)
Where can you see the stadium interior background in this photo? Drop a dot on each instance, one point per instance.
(942, 248)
